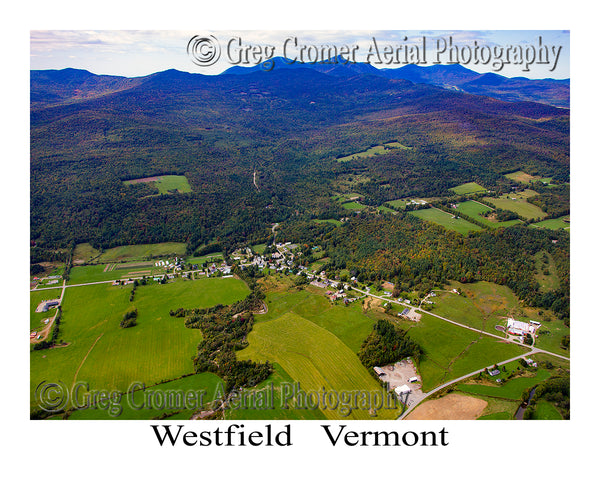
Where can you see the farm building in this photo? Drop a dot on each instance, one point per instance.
(515, 327)
(402, 390)
(379, 371)
(413, 379)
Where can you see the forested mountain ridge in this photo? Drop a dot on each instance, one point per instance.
(290, 125)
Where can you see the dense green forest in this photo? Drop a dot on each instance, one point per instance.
(288, 126)
(418, 255)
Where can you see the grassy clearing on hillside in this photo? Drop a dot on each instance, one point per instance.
(475, 209)
(312, 356)
(399, 204)
(555, 223)
(84, 252)
(158, 348)
(517, 202)
(446, 220)
(141, 252)
(353, 206)
(260, 248)
(332, 221)
(165, 183)
(210, 258)
(523, 177)
(467, 188)
(385, 209)
(373, 151)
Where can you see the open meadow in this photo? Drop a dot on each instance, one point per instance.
(102, 353)
(165, 183)
(517, 202)
(446, 220)
(475, 210)
(468, 188)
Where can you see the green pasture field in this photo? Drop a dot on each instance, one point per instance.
(467, 188)
(202, 389)
(554, 223)
(84, 252)
(167, 183)
(399, 204)
(483, 305)
(511, 390)
(551, 341)
(519, 205)
(353, 206)
(348, 323)
(278, 383)
(523, 177)
(332, 221)
(158, 348)
(210, 258)
(373, 151)
(141, 252)
(260, 248)
(474, 210)
(544, 410)
(498, 408)
(385, 209)
(314, 357)
(96, 273)
(444, 219)
(451, 351)
(35, 297)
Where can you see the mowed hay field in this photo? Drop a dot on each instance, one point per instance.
(517, 202)
(141, 252)
(312, 356)
(158, 348)
(475, 209)
(446, 220)
(467, 188)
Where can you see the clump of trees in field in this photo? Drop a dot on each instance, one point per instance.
(129, 319)
(386, 344)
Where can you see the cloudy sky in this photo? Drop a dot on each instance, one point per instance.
(136, 53)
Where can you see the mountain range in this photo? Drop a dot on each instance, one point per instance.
(549, 91)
